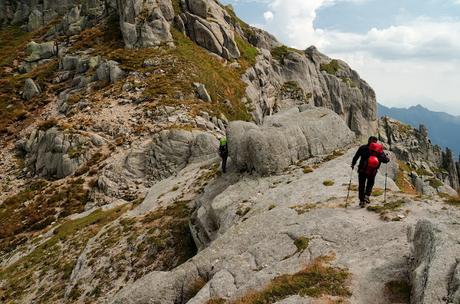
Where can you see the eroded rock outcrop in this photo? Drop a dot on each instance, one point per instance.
(324, 82)
(170, 151)
(414, 147)
(145, 23)
(209, 25)
(54, 153)
(286, 138)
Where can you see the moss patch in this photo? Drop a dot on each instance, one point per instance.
(328, 183)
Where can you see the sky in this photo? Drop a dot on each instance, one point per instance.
(407, 50)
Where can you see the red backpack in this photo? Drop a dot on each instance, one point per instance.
(373, 162)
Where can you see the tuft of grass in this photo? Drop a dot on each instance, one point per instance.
(271, 207)
(331, 68)
(301, 209)
(301, 243)
(247, 50)
(398, 291)
(316, 280)
(349, 81)
(452, 200)
(328, 183)
(435, 183)
(377, 192)
(387, 207)
(307, 169)
(47, 124)
(243, 210)
(334, 155)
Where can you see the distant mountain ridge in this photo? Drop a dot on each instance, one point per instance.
(443, 128)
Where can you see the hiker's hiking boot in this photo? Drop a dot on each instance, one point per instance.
(362, 204)
(367, 199)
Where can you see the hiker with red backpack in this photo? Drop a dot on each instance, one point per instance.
(371, 157)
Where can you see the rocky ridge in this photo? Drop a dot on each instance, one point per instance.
(111, 187)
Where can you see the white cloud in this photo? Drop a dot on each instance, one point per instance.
(268, 16)
(415, 60)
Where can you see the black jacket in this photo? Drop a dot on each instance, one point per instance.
(223, 151)
(364, 153)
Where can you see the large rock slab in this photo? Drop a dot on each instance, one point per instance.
(435, 272)
(286, 138)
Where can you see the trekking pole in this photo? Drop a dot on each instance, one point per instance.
(349, 186)
(386, 176)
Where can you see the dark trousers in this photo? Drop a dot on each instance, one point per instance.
(224, 163)
(365, 188)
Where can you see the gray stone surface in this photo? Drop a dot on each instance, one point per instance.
(435, 268)
(30, 89)
(285, 139)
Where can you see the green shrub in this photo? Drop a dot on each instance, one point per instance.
(280, 53)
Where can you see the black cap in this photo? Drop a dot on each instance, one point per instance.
(373, 139)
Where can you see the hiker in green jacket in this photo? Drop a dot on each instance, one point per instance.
(223, 152)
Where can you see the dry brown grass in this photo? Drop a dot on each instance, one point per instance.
(402, 180)
(316, 280)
